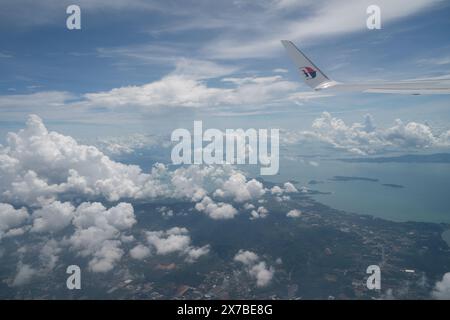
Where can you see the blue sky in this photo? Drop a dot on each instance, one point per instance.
(216, 61)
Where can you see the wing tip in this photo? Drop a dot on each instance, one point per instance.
(286, 42)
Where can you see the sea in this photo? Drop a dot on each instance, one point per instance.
(393, 191)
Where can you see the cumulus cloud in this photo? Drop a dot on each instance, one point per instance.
(261, 273)
(52, 217)
(24, 275)
(442, 288)
(239, 189)
(165, 212)
(366, 138)
(11, 219)
(215, 210)
(140, 252)
(41, 169)
(107, 255)
(294, 213)
(261, 212)
(49, 254)
(246, 257)
(98, 233)
(249, 206)
(256, 269)
(194, 253)
(120, 217)
(172, 240)
(175, 240)
(38, 166)
(193, 182)
(287, 188)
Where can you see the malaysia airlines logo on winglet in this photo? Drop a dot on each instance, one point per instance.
(309, 72)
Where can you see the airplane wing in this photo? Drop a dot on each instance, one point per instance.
(317, 80)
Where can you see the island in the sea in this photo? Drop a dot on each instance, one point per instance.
(347, 178)
(393, 185)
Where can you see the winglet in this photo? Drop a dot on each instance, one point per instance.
(311, 74)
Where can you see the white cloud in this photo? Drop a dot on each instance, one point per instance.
(166, 212)
(120, 217)
(175, 240)
(187, 91)
(249, 206)
(365, 138)
(105, 258)
(52, 217)
(98, 232)
(49, 254)
(325, 19)
(187, 86)
(171, 91)
(190, 182)
(194, 253)
(239, 189)
(276, 190)
(24, 275)
(442, 288)
(39, 166)
(255, 268)
(196, 182)
(172, 240)
(140, 252)
(261, 273)
(294, 213)
(287, 188)
(246, 257)
(11, 219)
(215, 210)
(261, 212)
